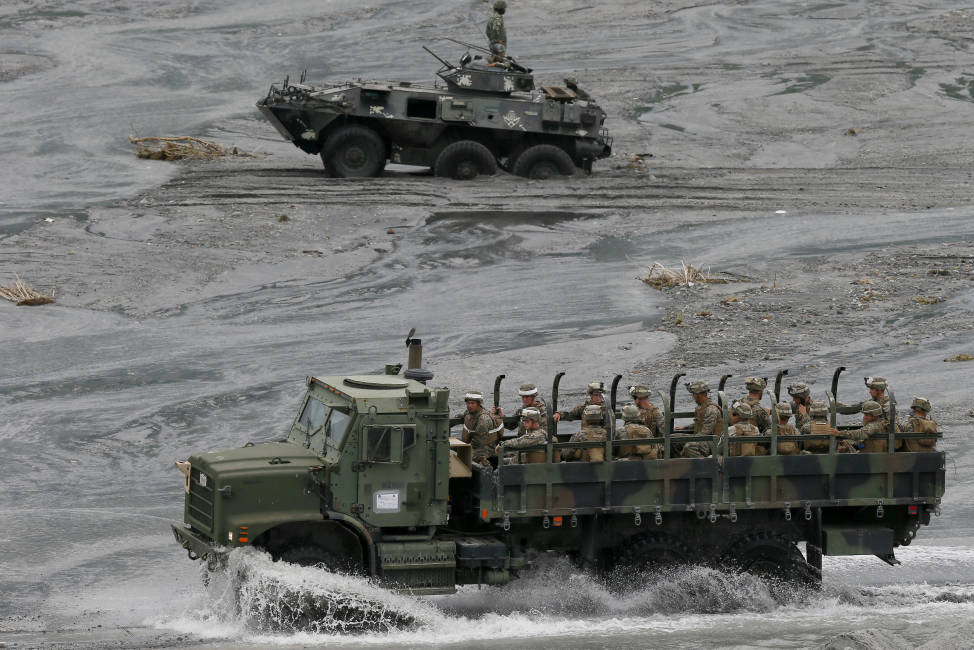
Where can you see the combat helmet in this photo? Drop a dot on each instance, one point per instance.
(799, 390)
(698, 386)
(531, 414)
(592, 413)
(755, 383)
(595, 387)
(783, 408)
(498, 49)
(571, 82)
(877, 383)
(818, 409)
(741, 409)
(639, 391)
(630, 413)
(500, 6)
(869, 407)
(474, 396)
(922, 404)
(527, 390)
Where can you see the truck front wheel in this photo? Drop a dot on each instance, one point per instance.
(315, 556)
(544, 161)
(354, 152)
(465, 160)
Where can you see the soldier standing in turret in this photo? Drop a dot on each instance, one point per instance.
(496, 33)
(572, 84)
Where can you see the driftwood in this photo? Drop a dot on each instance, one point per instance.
(21, 294)
(183, 148)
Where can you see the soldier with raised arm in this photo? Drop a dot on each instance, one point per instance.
(877, 393)
(596, 396)
(801, 402)
(650, 415)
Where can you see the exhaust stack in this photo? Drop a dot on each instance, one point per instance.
(414, 365)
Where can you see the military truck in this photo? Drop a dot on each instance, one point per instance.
(370, 481)
(486, 116)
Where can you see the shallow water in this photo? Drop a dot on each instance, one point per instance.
(102, 391)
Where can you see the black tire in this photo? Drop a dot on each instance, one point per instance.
(465, 160)
(315, 556)
(650, 552)
(354, 152)
(544, 161)
(774, 557)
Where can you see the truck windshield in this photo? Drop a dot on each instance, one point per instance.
(318, 418)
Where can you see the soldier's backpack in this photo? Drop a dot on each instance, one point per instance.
(922, 426)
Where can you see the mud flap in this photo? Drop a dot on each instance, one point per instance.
(859, 540)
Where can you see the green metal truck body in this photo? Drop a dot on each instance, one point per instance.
(370, 481)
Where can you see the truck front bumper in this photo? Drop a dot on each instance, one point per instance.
(196, 545)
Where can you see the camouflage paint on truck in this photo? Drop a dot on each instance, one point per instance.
(370, 481)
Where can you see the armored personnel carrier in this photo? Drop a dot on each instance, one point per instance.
(369, 480)
(485, 116)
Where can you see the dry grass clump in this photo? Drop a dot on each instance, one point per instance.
(183, 148)
(660, 277)
(960, 357)
(21, 294)
(924, 300)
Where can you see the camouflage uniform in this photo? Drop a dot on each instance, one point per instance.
(530, 438)
(920, 424)
(759, 417)
(576, 413)
(477, 428)
(496, 32)
(539, 403)
(707, 421)
(800, 394)
(879, 425)
(632, 430)
(591, 431)
(883, 400)
(787, 447)
(650, 416)
(743, 427)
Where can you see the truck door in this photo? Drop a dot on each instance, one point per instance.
(394, 484)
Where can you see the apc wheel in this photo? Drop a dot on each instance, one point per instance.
(465, 160)
(544, 161)
(771, 556)
(354, 152)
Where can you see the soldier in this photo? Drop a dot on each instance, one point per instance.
(920, 422)
(477, 425)
(818, 424)
(785, 447)
(755, 391)
(632, 430)
(592, 430)
(877, 393)
(740, 419)
(533, 435)
(872, 422)
(596, 396)
(529, 399)
(650, 415)
(496, 33)
(707, 421)
(572, 84)
(801, 400)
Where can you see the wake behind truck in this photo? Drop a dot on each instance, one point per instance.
(370, 481)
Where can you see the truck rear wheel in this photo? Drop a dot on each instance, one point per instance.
(354, 152)
(465, 160)
(544, 161)
(652, 551)
(768, 555)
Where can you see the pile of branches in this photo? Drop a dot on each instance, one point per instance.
(183, 148)
(660, 277)
(21, 294)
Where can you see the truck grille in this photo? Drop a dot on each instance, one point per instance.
(200, 500)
